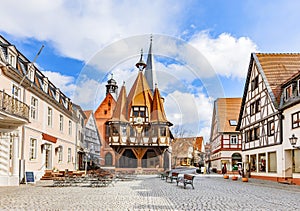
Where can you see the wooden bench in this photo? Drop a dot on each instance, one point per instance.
(187, 180)
(174, 176)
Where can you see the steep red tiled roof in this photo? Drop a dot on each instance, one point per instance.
(227, 109)
(157, 111)
(278, 68)
(120, 112)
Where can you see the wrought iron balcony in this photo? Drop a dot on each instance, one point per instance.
(13, 106)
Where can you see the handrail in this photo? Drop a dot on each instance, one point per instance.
(13, 106)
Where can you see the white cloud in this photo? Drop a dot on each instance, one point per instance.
(63, 82)
(79, 30)
(228, 55)
(193, 113)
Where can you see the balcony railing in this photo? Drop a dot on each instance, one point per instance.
(13, 106)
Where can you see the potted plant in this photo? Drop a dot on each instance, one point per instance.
(224, 171)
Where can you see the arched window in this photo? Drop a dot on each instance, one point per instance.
(108, 159)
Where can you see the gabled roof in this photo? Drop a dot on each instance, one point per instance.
(157, 110)
(275, 69)
(87, 114)
(120, 112)
(140, 93)
(227, 109)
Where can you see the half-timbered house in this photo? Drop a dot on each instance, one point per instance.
(225, 141)
(265, 119)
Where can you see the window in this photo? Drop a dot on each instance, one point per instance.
(69, 155)
(252, 162)
(296, 161)
(109, 104)
(271, 128)
(60, 154)
(115, 131)
(255, 107)
(256, 133)
(254, 83)
(16, 92)
(296, 120)
(298, 82)
(105, 111)
(32, 149)
(34, 108)
(146, 131)
(49, 119)
(262, 162)
(248, 135)
(61, 122)
(10, 148)
(108, 159)
(11, 60)
(272, 162)
(233, 122)
(288, 92)
(123, 130)
(233, 139)
(70, 127)
(139, 111)
(163, 131)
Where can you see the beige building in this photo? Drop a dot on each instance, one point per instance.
(37, 121)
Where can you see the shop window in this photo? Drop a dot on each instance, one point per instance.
(262, 162)
(253, 163)
(272, 162)
(296, 161)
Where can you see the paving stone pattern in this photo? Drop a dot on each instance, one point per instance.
(152, 193)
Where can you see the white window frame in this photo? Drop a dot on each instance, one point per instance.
(34, 108)
(16, 91)
(61, 122)
(234, 139)
(32, 149)
(70, 127)
(49, 116)
(69, 155)
(60, 154)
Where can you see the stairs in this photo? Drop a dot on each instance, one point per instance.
(47, 175)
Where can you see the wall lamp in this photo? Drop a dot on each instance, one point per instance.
(293, 141)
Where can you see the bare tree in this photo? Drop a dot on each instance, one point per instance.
(179, 131)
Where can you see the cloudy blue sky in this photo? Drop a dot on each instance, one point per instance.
(202, 48)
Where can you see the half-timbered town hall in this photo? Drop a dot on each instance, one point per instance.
(139, 129)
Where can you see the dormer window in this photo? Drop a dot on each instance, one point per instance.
(31, 71)
(139, 114)
(12, 59)
(57, 95)
(233, 122)
(45, 85)
(288, 92)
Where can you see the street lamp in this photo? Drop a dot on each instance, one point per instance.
(293, 141)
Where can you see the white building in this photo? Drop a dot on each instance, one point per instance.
(40, 138)
(92, 140)
(268, 118)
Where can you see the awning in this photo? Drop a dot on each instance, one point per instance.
(49, 138)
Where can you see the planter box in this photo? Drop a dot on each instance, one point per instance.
(226, 177)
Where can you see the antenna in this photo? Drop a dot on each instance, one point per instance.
(35, 58)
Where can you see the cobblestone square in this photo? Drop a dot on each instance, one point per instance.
(151, 193)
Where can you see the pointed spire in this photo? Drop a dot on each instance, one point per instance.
(112, 87)
(150, 73)
(158, 114)
(141, 64)
(120, 112)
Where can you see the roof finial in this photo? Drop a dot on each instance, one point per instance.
(112, 75)
(141, 64)
(123, 83)
(151, 38)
